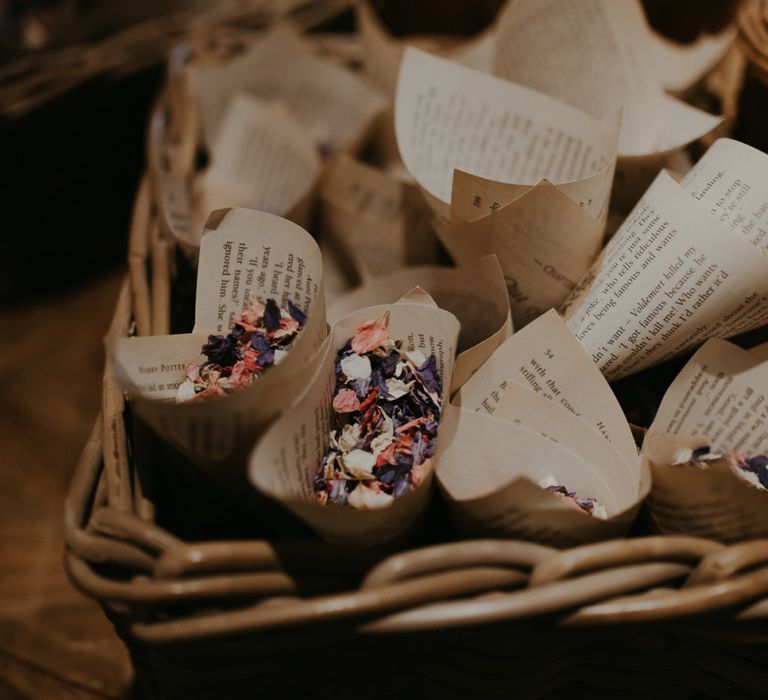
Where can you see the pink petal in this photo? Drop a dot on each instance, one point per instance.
(346, 401)
(371, 335)
(254, 313)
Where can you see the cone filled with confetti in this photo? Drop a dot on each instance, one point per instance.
(355, 459)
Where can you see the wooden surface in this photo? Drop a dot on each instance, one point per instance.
(54, 643)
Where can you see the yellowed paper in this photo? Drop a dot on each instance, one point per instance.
(720, 394)
(285, 461)
(600, 56)
(261, 159)
(384, 52)
(449, 117)
(245, 255)
(731, 180)
(713, 502)
(475, 293)
(719, 400)
(681, 66)
(545, 243)
(536, 412)
(378, 222)
(490, 469)
(335, 106)
(546, 359)
(760, 352)
(671, 277)
(482, 149)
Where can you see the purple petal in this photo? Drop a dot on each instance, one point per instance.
(220, 350)
(271, 315)
(260, 342)
(296, 313)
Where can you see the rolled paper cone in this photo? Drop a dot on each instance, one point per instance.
(284, 463)
(489, 472)
(245, 255)
(711, 501)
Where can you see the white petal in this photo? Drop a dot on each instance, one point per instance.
(387, 426)
(367, 499)
(380, 443)
(185, 392)
(329, 465)
(359, 464)
(350, 434)
(416, 356)
(750, 477)
(280, 355)
(356, 366)
(398, 388)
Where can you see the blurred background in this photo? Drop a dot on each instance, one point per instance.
(78, 79)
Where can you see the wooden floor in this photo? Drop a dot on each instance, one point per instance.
(54, 643)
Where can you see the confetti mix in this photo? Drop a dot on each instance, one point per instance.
(589, 505)
(259, 339)
(751, 469)
(386, 410)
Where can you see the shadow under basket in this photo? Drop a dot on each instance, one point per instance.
(211, 606)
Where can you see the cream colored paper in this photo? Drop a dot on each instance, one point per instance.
(600, 56)
(449, 117)
(545, 243)
(720, 394)
(244, 255)
(681, 66)
(335, 106)
(671, 277)
(534, 411)
(490, 468)
(378, 222)
(760, 352)
(731, 180)
(712, 502)
(475, 293)
(545, 358)
(721, 397)
(486, 147)
(283, 464)
(384, 52)
(261, 159)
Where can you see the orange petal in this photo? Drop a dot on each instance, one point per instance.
(371, 335)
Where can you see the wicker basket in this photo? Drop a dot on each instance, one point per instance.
(662, 616)
(207, 613)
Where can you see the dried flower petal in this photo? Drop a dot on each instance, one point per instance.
(220, 350)
(272, 316)
(346, 401)
(364, 498)
(359, 464)
(385, 420)
(258, 340)
(371, 335)
(356, 366)
(397, 388)
(296, 313)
